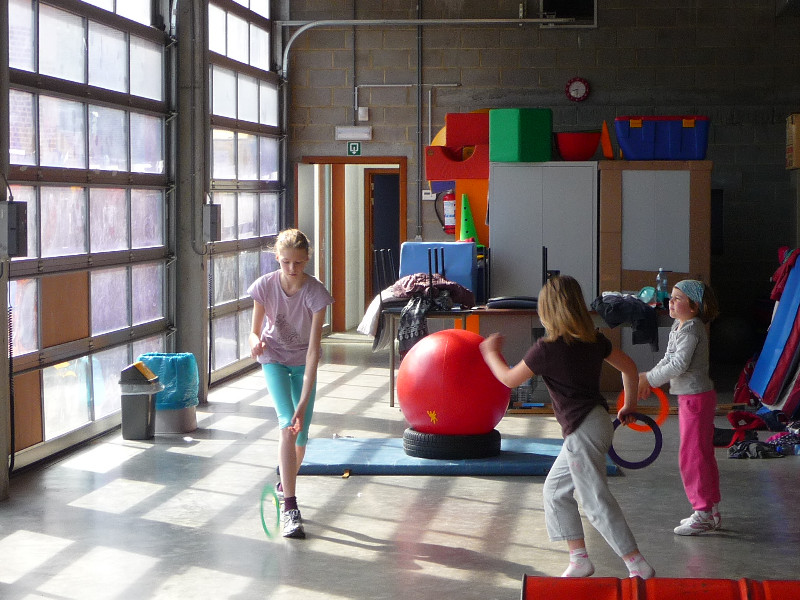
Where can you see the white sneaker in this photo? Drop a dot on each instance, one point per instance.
(293, 524)
(698, 523)
(715, 515)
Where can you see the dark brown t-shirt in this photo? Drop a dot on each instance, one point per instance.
(572, 375)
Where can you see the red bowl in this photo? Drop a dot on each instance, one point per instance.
(577, 145)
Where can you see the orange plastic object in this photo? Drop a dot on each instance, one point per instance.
(658, 588)
(466, 129)
(605, 142)
(663, 409)
(443, 163)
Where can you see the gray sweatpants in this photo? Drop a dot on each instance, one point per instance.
(580, 470)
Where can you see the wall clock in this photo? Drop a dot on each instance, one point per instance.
(577, 89)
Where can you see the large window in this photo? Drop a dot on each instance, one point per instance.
(88, 123)
(244, 170)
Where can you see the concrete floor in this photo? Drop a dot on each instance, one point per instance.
(178, 516)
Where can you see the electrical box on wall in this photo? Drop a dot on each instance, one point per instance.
(14, 228)
(583, 12)
(212, 222)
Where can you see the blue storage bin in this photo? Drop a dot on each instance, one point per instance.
(662, 137)
(179, 376)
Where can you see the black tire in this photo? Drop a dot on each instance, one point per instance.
(451, 447)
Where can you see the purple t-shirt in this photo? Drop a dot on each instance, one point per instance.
(287, 320)
(572, 375)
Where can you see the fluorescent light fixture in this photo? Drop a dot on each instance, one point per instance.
(354, 133)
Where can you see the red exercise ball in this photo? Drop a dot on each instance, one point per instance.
(445, 387)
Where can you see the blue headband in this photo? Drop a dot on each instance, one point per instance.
(693, 289)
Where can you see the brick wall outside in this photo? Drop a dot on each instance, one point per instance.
(735, 62)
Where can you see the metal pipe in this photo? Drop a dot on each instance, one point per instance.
(303, 26)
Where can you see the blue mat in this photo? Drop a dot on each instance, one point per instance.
(777, 335)
(385, 456)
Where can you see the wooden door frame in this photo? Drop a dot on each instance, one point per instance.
(369, 212)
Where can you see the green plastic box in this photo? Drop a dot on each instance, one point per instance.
(520, 134)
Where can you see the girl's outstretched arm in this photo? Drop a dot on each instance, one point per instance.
(511, 377)
(630, 382)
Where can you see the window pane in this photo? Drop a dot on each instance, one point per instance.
(109, 291)
(23, 299)
(268, 214)
(108, 220)
(248, 270)
(63, 215)
(108, 142)
(27, 194)
(148, 292)
(223, 157)
(147, 69)
(225, 278)
(147, 150)
(106, 367)
(22, 138)
(105, 4)
(216, 29)
(20, 35)
(227, 217)
(248, 99)
(147, 218)
(245, 324)
(65, 395)
(269, 159)
(62, 133)
(261, 7)
(108, 58)
(248, 156)
(225, 345)
(223, 100)
(237, 38)
(151, 344)
(248, 215)
(135, 10)
(268, 104)
(259, 48)
(62, 44)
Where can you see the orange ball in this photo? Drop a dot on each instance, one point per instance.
(445, 387)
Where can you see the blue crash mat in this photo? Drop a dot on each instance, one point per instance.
(385, 456)
(778, 334)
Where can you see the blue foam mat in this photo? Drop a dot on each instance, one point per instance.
(385, 456)
(777, 335)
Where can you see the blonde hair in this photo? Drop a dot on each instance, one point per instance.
(292, 239)
(563, 311)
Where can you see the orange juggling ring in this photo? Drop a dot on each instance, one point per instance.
(663, 409)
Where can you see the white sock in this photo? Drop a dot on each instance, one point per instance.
(579, 564)
(639, 567)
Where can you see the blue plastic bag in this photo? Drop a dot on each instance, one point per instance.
(179, 376)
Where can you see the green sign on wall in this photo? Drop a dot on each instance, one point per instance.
(353, 148)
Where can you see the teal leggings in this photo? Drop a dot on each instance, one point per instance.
(285, 385)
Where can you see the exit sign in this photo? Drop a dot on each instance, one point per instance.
(353, 148)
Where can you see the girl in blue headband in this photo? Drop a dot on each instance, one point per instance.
(685, 366)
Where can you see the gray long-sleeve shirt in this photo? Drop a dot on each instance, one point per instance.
(685, 363)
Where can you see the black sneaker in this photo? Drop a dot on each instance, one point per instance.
(293, 524)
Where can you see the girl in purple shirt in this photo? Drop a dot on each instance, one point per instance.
(288, 314)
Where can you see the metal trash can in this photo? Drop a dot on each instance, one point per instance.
(138, 386)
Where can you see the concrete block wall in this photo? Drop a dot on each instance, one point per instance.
(736, 62)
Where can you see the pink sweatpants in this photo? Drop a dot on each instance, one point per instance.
(696, 458)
